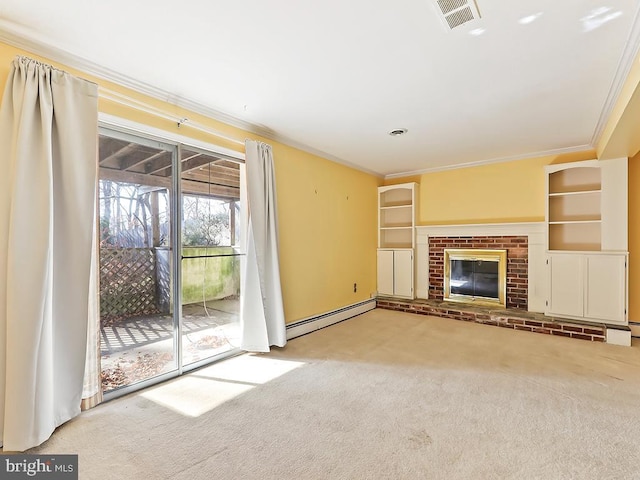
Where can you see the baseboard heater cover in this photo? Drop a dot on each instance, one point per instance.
(619, 335)
(311, 324)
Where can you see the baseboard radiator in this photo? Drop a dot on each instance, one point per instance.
(311, 324)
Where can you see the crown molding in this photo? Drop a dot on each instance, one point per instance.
(26, 39)
(629, 55)
(546, 153)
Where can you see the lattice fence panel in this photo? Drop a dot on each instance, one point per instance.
(127, 282)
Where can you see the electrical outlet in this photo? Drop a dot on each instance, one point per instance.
(355, 287)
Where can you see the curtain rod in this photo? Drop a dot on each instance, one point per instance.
(127, 101)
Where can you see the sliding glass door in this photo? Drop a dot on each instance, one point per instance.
(169, 260)
(210, 267)
(137, 324)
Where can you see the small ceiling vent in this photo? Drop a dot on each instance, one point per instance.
(455, 13)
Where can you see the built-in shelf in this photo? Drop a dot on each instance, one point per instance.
(396, 215)
(582, 192)
(400, 205)
(570, 235)
(574, 203)
(575, 179)
(582, 247)
(566, 222)
(396, 239)
(391, 237)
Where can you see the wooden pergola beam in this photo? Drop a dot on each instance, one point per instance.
(214, 179)
(189, 187)
(157, 165)
(134, 177)
(132, 161)
(118, 154)
(197, 162)
(222, 166)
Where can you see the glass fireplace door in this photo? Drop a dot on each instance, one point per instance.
(475, 275)
(476, 278)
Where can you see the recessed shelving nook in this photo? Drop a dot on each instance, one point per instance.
(587, 205)
(574, 208)
(396, 221)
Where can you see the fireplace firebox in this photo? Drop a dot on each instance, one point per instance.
(475, 276)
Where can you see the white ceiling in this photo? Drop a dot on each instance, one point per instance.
(335, 76)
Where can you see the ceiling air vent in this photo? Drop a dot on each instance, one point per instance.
(455, 13)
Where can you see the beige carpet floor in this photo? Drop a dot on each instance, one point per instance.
(385, 395)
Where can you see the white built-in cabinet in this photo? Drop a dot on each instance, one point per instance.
(589, 286)
(395, 273)
(587, 242)
(396, 239)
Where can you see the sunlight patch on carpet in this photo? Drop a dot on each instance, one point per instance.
(200, 392)
(253, 369)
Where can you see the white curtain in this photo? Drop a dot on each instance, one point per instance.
(48, 142)
(92, 387)
(262, 312)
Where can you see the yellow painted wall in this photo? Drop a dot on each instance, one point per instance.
(494, 193)
(327, 211)
(330, 230)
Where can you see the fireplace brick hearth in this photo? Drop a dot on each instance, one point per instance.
(514, 319)
(517, 264)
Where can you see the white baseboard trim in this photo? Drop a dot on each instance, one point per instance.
(635, 329)
(311, 324)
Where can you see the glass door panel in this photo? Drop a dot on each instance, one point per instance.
(210, 269)
(136, 302)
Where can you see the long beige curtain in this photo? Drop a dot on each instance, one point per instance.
(48, 142)
(92, 393)
(261, 312)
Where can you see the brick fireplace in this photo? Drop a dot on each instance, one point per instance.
(532, 249)
(517, 263)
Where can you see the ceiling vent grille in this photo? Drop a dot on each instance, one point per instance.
(455, 13)
(448, 6)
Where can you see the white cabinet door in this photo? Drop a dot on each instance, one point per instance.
(566, 285)
(385, 272)
(605, 287)
(403, 273)
(395, 273)
(588, 286)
